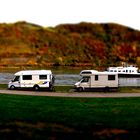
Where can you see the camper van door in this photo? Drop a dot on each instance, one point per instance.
(16, 81)
(85, 82)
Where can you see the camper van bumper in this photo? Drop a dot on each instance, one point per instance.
(77, 87)
(96, 89)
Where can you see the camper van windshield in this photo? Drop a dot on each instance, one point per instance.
(16, 79)
(85, 79)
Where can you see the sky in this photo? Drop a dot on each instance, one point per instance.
(49, 13)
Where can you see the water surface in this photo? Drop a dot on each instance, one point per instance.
(71, 79)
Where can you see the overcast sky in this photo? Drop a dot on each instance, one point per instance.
(53, 12)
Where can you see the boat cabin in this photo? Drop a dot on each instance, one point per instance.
(129, 69)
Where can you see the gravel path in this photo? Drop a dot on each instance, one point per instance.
(70, 94)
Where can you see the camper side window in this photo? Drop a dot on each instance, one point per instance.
(111, 77)
(86, 72)
(27, 77)
(42, 77)
(96, 77)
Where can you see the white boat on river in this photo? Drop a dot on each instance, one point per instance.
(125, 71)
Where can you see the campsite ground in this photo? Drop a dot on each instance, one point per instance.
(65, 114)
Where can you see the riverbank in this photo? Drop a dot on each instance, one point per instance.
(70, 89)
(71, 94)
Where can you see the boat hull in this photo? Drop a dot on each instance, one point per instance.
(125, 75)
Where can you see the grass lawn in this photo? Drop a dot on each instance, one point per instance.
(32, 117)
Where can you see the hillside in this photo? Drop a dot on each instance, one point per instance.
(97, 45)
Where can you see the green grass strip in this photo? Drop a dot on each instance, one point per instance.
(111, 112)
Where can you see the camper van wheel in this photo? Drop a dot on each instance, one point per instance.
(106, 89)
(52, 88)
(36, 87)
(12, 87)
(80, 89)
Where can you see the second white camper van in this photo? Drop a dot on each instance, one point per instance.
(95, 80)
(35, 79)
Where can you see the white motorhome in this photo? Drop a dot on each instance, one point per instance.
(95, 80)
(35, 79)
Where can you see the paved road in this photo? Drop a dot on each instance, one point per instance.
(70, 94)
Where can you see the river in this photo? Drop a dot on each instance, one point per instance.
(70, 79)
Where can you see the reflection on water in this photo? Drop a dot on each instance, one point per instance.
(5, 77)
(129, 82)
(66, 79)
(71, 79)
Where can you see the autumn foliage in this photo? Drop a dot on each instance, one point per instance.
(80, 44)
